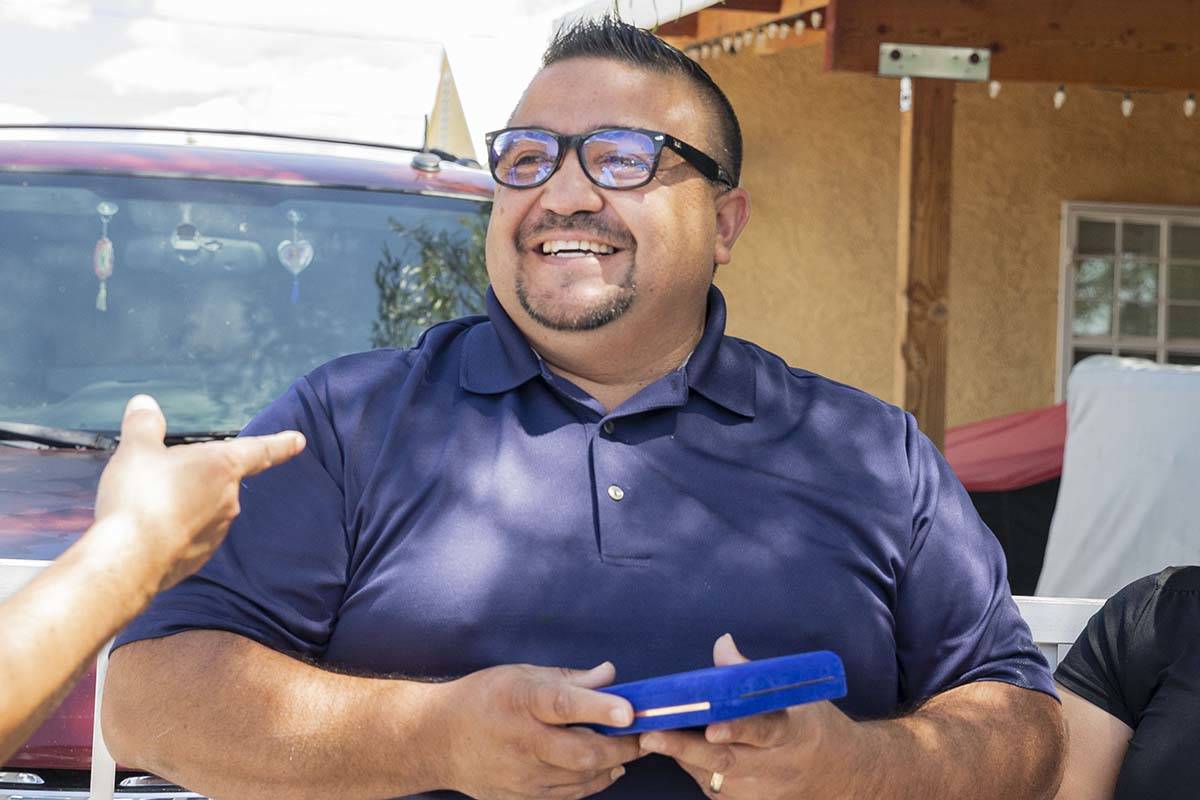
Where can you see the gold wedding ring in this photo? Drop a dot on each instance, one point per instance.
(716, 782)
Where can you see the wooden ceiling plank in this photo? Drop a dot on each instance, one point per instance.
(1151, 43)
(679, 28)
(767, 6)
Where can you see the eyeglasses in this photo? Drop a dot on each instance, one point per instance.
(612, 158)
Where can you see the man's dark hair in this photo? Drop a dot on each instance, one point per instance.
(613, 39)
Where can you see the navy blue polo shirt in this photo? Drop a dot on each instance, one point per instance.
(459, 506)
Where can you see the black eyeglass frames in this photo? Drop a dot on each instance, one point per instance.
(612, 158)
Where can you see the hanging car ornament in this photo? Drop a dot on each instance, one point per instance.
(295, 254)
(187, 241)
(102, 253)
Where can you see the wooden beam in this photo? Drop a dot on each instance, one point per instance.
(923, 255)
(735, 16)
(682, 28)
(1147, 43)
(770, 6)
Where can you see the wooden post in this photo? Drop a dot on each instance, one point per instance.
(923, 264)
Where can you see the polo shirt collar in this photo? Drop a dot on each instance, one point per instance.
(720, 368)
(497, 358)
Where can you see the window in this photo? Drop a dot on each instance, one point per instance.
(1131, 283)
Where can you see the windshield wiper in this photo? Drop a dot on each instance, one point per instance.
(56, 437)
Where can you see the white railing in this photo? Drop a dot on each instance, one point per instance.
(1054, 621)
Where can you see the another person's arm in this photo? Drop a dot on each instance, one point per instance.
(1096, 745)
(159, 514)
(1106, 680)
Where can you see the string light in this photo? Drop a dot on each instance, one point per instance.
(727, 44)
(704, 51)
(1060, 97)
(772, 30)
(761, 39)
(994, 89)
(784, 30)
(1127, 105)
(1189, 105)
(799, 26)
(815, 19)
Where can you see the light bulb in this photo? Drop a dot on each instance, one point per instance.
(1189, 105)
(799, 26)
(784, 30)
(1127, 105)
(994, 89)
(772, 30)
(815, 19)
(1060, 97)
(704, 51)
(727, 43)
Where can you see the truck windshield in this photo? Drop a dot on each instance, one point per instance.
(212, 296)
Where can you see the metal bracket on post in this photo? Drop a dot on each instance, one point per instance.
(934, 61)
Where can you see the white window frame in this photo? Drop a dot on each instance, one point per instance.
(1159, 215)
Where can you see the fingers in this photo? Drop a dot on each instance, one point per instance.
(594, 678)
(581, 750)
(253, 454)
(690, 748)
(761, 730)
(143, 423)
(726, 653)
(595, 785)
(566, 701)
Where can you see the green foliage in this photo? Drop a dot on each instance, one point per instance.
(440, 275)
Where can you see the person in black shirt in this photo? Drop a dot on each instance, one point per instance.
(1130, 688)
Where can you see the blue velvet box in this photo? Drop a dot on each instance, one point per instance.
(703, 696)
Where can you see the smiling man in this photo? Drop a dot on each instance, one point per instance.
(591, 474)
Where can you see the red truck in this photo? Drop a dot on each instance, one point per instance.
(209, 269)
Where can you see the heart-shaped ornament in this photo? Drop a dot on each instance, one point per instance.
(295, 256)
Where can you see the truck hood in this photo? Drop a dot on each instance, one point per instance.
(46, 501)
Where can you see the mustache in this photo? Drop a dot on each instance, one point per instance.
(580, 221)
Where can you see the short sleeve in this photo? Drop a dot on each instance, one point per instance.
(1102, 666)
(956, 621)
(279, 576)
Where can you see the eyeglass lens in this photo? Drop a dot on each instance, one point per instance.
(612, 158)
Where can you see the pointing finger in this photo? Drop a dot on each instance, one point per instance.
(143, 422)
(253, 454)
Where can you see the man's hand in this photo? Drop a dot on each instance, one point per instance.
(508, 734)
(165, 511)
(763, 757)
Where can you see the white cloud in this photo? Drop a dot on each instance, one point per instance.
(51, 14)
(20, 115)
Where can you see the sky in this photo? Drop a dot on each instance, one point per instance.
(354, 69)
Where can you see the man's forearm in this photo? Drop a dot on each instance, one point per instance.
(983, 740)
(225, 716)
(56, 624)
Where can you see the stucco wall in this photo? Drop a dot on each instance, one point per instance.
(814, 277)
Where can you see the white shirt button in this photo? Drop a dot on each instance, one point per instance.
(616, 492)
(609, 427)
